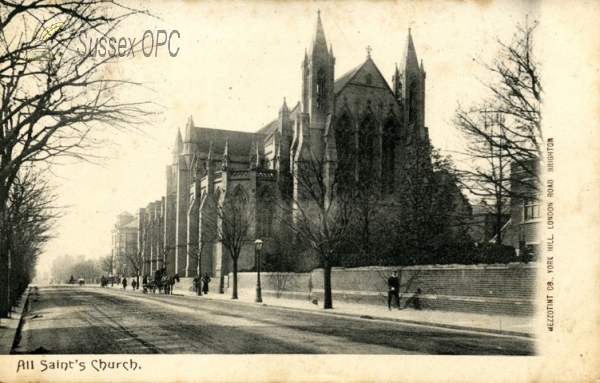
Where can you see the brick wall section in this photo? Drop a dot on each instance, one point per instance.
(487, 289)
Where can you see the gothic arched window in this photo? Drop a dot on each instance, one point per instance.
(321, 89)
(412, 105)
(366, 150)
(344, 139)
(388, 157)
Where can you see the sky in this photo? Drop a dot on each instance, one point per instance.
(236, 63)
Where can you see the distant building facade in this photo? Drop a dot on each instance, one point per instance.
(523, 229)
(124, 243)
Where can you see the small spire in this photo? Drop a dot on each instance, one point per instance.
(209, 157)
(284, 107)
(369, 49)
(410, 55)
(319, 40)
(225, 161)
(253, 152)
(178, 145)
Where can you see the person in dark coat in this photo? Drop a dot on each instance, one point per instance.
(205, 281)
(124, 283)
(393, 289)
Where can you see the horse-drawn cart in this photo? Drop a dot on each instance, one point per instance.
(162, 284)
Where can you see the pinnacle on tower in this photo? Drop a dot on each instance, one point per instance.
(210, 154)
(284, 107)
(188, 135)
(225, 161)
(253, 154)
(178, 145)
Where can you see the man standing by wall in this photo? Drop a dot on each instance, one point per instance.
(393, 288)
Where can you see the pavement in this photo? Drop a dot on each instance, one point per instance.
(522, 326)
(496, 324)
(9, 326)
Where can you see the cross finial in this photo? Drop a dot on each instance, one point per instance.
(319, 12)
(369, 49)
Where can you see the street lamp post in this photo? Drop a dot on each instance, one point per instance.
(257, 247)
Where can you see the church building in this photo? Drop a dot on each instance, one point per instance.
(359, 125)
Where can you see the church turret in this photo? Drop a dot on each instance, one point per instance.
(177, 147)
(190, 145)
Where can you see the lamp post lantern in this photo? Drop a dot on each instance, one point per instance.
(257, 247)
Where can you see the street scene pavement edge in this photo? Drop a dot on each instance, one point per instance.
(501, 325)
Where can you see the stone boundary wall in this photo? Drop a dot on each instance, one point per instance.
(486, 289)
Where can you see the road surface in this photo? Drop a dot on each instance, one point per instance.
(93, 320)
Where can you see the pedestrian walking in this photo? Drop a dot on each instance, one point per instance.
(205, 281)
(133, 284)
(393, 289)
(124, 283)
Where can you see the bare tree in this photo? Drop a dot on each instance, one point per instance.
(108, 264)
(488, 176)
(135, 260)
(53, 108)
(31, 215)
(323, 214)
(513, 134)
(229, 226)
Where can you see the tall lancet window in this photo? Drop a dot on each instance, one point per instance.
(412, 105)
(344, 139)
(321, 89)
(388, 158)
(366, 151)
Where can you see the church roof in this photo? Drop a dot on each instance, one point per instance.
(238, 143)
(340, 84)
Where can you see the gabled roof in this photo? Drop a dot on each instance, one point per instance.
(132, 224)
(341, 82)
(238, 143)
(348, 78)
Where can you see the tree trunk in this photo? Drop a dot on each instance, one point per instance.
(235, 284)
(328, 302)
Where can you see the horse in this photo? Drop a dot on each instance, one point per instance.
(167, 283)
